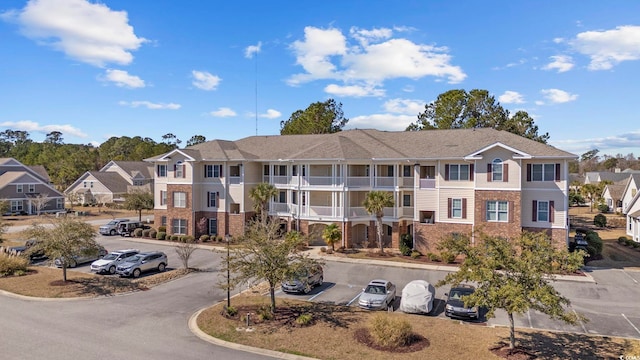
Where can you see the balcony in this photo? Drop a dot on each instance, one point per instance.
(358, 181)
(321, 210)
(406, 211)
(427, 183)
(279, 208)
(405, 182)
(323, 181)
(234, 179)
(362, 212)
(385, 181)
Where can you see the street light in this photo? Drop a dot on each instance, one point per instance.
(228, 238)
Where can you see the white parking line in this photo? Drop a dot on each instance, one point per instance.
(630, 323)
(581, 323)
(354, 299)
(529, 316)
(315, 296)
(630, 277)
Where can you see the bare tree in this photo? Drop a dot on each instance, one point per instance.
(40, 202)
(184, 251)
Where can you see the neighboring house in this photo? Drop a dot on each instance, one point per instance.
(612, 195)
(112, 182)
(442, 181)
(594, 177)
(630, 190)
(28, 189)
(631, 206)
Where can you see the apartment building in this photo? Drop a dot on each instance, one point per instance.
(442, 181)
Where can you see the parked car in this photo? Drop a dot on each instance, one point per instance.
(84, 256)
(417, 297)
(127, 228)
(455, 303)
(142, 262)
(304, 280)
(111, 228)
(579, 240)
(27, 250)
(378, 295)
(110, 261)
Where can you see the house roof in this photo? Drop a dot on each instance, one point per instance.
(134, 168)
(111, 180)
(615, 191)
(40, 170)
(368, 144)
(574, 177)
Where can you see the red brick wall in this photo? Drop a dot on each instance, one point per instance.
(510, 229)
(558, 236)
(180, 213)
(427, 236)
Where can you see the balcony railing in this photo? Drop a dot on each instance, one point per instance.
(282, 180)
(385, 181)
(362, 212)
(405, 181)
(234, 179)
(320, 210)
(324, 180)
(358, 181)
(407, 211)
(279, 207)
(427, 183)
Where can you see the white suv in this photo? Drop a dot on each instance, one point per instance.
(111, 228)
(110, 261)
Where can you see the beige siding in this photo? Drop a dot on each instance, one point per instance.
(546, 185)
(236, 195)
(426, 200)
(445, 194)
(188, 171)
(560, 215)
(156, 197)
(512, 174)
(453, 183)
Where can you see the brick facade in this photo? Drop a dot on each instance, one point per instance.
(427, 236)
(509, 229)
(180, 213)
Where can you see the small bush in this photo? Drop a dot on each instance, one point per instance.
(603, 208)
(390, 331)
(636, 245)
(264, 313)
(600, 220)
(162, 228)
(323, 249)
(433, 257)
(304, 319)
(153, 234)
(161, 235)
(137, 232)
(406, 244)
(187, 238)
(628, 242)
(204, 238)
(145, 233)
(175, 237)
(415, 254)
(229, 311)
(329, 251)
(13, 265)
(594, 243)
(448, 257)
(623, 240)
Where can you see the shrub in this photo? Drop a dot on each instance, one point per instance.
(162, 228)
(448, 257)
(229, 311)
(635, 245)
(594, 243)
(137, 232)
(600, 220)
(145, 232)
(12, 265)
(390, 331)
(304, 319)
(187, 238)
(175, 237)
(323, 249)
(628, 242)
(161, 235)
(341, 249)
(603, 208)
(264, 313)
(153, 233)
(329, 251)
(406, 244)
(415, 254)
(623, 240)
(433, 257)
(204, 238)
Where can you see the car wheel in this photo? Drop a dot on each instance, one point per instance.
(112, 232)
(112, 269)
(307, 289)
(136, 273)
(161, 267)
(73, 264)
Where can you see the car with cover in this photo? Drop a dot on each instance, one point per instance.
(142, 262)
(110, 261)
(455, 308)
(417, 297)
(303, 280)
(378, 295)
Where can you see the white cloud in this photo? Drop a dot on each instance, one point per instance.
(354, 90)
(614, 143)
(558, 96)
(404, 106)
(223, 112)
(511, 97)
(252, 49)
(388, 122)
(204, 80)
(609, 47)
(374, 56)
(151, 105)
(31, 126)
(271, 114)
(562, 63)
(85, 31)
(122, 78)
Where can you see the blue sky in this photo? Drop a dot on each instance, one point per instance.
(227, 70)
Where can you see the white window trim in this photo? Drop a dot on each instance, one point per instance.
(454, 208)
(497, 211)
(546, 212)
(179, 199)
(497, 168)
(458, 166)
(542, 175)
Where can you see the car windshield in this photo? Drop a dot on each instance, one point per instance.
(110, 257)
(375, 289)
(458, 294)
(134, 258)
(112, 222)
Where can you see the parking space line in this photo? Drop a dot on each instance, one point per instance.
(354, 299)
(529, 316)
(580, 321)
(315, 296)
(630, 277)
(630, 323)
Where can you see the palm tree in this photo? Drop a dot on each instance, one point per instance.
(331, 234)
(261, 194)
(374, 203)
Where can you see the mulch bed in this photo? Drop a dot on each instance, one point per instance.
(416, 343)
(502, 350)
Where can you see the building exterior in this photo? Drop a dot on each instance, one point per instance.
(442, 181)
(28, 189)
(112, 182)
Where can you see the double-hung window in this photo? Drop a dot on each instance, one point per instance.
(163, 197)
(457, 208)
(212, 199)
(496, 170)
(543, 172)
(19, 188)
(179, 226)
(180, 199)
(458, 172)
(497, 211)
(212, 171)
(162, 170)
(542, 211)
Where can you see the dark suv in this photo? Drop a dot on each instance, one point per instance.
(455, 303)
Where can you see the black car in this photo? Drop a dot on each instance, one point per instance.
(579, 241)
(26, 250)
(455, 303)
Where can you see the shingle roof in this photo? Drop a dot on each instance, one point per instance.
(111, 180)
(41, 171)
(134, 167)
(615, 191)
(368, 144)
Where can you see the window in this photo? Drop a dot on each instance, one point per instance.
(390, 170)
(180, 199)
(163, 197)
(294, 197)
(294, 170)
(19, 188)
(179, 226)
(213, 226)
(84, 184)
(406, 171)
(458, 172)
(163, 220)
(496, 170)
(178, 169)
(59, 203)
(91, 184)
(212, 199)
(280, 170)
(212, 171)
(265, 170)
(457, 208)
(543, 172)
(542, 211)
(282, 197)
(497, 211)
(406, 200)
(16, 205)
(161, 170)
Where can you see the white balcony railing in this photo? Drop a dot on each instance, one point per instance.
(405, 182)
(320, 210)
(282, 180)
(234, 179)
(362, 212)
(407, 211)
(385, 181)
(279, 207)
(321, 180)
(427, 183)
(358, 181)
